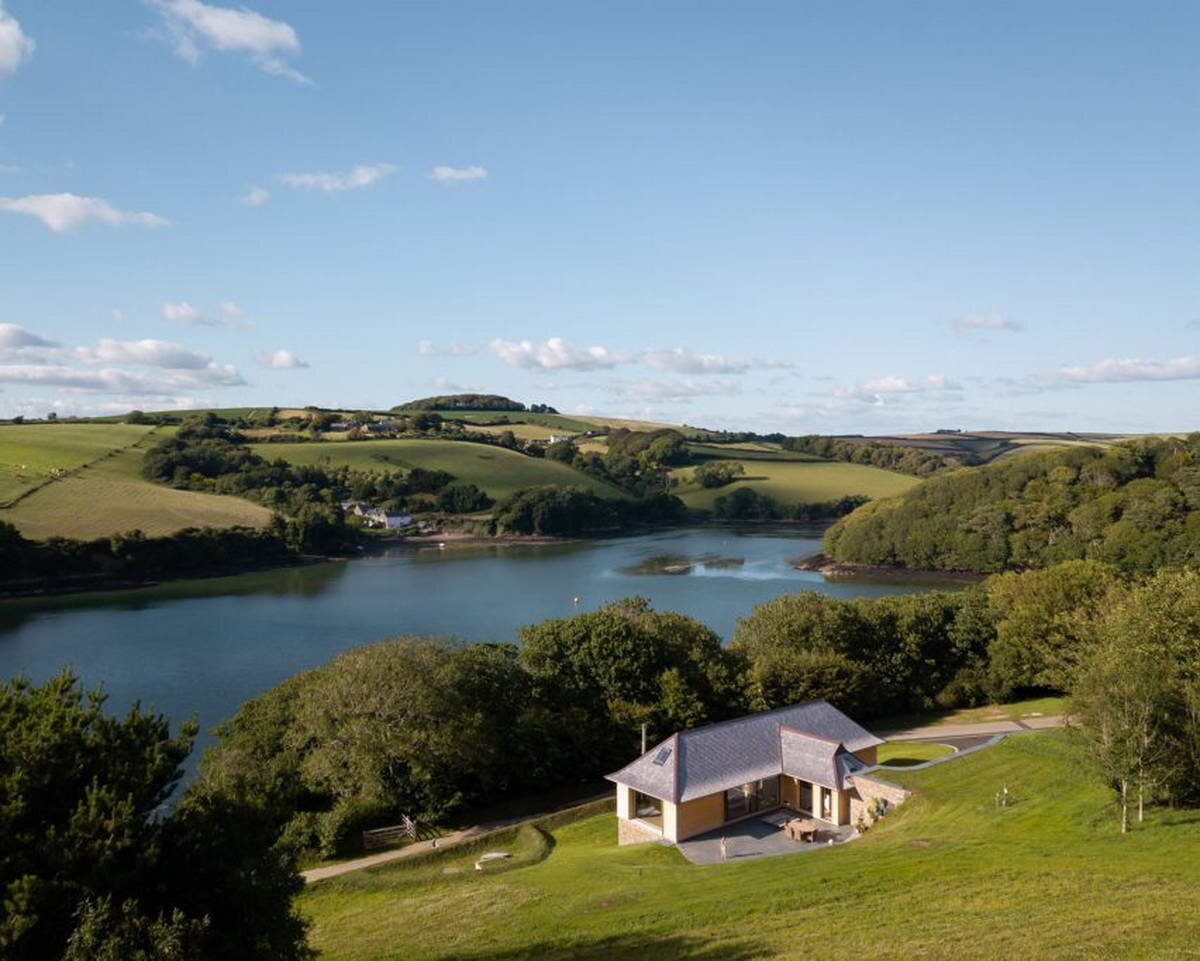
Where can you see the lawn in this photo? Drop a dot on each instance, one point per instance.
(947, 876)
(498, 471)
(908, 753)
(111, 497)
(799, 482)
(31, 454)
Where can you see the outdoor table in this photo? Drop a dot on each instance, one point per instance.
(801, 829)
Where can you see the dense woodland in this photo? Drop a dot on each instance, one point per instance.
(1135, 505)
(484, 402)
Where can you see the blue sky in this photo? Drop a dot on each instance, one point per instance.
(809, 217)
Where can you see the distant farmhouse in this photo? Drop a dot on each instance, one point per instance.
(810, 758)
(377, 516)
(559, 438)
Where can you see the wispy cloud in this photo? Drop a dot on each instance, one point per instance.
(444, 174)
(1124, 370)
(256, 196)
(229, 314)
(684, 361)
(427, 348)
(355, 178)
(15, 45)
(986, 322)
(193, 26)
(66, 212)
(556, 354)
(281, 360)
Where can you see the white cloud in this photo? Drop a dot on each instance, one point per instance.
(680, 390)
(113, 381)
(453, 387)
(683, 361)
(986, 322)
(362, 175)
(183, 313)
(556, 354)
(427, 348)
(450, 175)
(281, 360)
(64, 212)
(256, 196)
(149, 353)
(14, 337)
(1122, 370)
(266, 42)
(15, 46)
(229, 314)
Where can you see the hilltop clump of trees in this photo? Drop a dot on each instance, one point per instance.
(897, 457)
(1135, 505)
(483, 402)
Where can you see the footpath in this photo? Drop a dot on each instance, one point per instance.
(938, 732)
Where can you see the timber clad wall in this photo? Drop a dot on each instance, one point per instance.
(698, 816)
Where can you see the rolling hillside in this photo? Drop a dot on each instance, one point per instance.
(111, 497)
(496, 470)
(31, 454)
(798, 482)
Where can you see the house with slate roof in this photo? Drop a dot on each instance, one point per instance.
(808, 757)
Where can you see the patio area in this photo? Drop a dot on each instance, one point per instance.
(759, 837)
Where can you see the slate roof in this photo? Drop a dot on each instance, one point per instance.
(812, 740)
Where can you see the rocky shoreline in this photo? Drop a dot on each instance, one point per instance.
(833, 570)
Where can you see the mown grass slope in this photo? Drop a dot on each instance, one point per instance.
(111, 497)
(948, 876)
(31, 454)
(496, 470)
(799, 482)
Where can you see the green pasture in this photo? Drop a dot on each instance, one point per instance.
(111, 496)
(947, 876)
(496, 470)
(798, 482)
(31, 454)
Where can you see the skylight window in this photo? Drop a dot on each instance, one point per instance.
(661, 757)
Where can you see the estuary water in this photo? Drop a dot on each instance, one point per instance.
(202, 648)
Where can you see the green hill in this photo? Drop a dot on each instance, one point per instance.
(797, 482)
(949, 876)
(1135, 504)
(31, 454)
(496, 470)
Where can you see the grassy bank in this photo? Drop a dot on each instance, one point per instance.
(947, 876)
(31, 454)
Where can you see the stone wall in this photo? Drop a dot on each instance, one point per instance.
(866, 789)
(631, 832)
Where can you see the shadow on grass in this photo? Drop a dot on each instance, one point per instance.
(677, 947)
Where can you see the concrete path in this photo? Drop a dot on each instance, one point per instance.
(937, 732)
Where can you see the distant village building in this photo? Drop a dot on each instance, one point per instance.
(559, 438)
(377, 516)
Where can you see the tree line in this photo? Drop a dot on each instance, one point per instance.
(898, 457)
(1135, 505)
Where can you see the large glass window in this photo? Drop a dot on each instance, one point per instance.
(647, 808)
(806, 804)
(751, 798)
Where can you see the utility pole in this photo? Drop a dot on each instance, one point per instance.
(643, 738)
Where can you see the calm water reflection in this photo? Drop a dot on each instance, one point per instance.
(202, 648)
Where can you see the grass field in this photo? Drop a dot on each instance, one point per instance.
(111, 497)
(560, 423)
(948, 876)
(799, 482)
(521, 431)
(1013, 711)
(30, 454)
(498, 471)
(908, 753)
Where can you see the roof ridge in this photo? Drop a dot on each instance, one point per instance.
(744, 717)
(814, 736)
